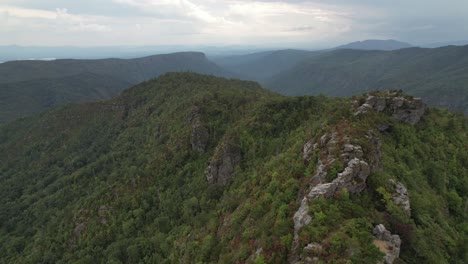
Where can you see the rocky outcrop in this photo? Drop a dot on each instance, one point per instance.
(400, 196)
(199, 136)
(312, 252)
(402, 109)
(387, 243)
(352, 178)
(307, 150)
(222, 164)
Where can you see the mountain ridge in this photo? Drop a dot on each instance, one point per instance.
(436, 75)
(203, 169)
(376, 44)
(19, 79)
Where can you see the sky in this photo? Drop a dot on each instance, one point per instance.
(295, 23)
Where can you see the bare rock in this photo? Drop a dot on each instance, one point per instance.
(353, 178)
(363, 109)
(410, 111)
(320, 174)
(402, 109)
(377, 103)
(351, 151)
(325, 189)
(307, 150)
(387, 243)
(401, 197)
(314, 249)
(222, 164)
(302, 217)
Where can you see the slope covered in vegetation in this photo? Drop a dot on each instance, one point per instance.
(29, 87)
(191, 168)
(439, 76)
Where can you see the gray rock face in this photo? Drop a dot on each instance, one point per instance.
(401, 197)
(222, 164)
(301, 218)
(199, 136)
(353, 177)
(410, 112)
(405, 110)
(307, 150)
(377, 103)
(387, 243)
(313, 249)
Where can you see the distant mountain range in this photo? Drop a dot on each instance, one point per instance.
(28, 87)
(439, 76)
(446, 43)
(373, 44)
(261, 66)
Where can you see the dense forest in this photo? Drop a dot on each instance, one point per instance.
(189, 168)
(439, 76)
(30, 86)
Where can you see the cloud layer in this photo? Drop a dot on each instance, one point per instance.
(213, 22)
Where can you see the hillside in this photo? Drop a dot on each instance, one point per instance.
(197, 169)
(28, 87)
(261, 66)
(439, 76)
(374, 44)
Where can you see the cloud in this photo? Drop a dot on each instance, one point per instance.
(301, 28)
(218, 22)
(25, 18)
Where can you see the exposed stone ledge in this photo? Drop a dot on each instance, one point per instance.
(402, 109)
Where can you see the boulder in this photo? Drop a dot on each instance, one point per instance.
(387, 243)
(401, 197)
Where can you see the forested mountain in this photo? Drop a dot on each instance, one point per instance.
(28, 87)
(375, 44)
(261, 66)
(439, 76)
(189, 168)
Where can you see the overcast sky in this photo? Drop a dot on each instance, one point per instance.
(295, 23)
